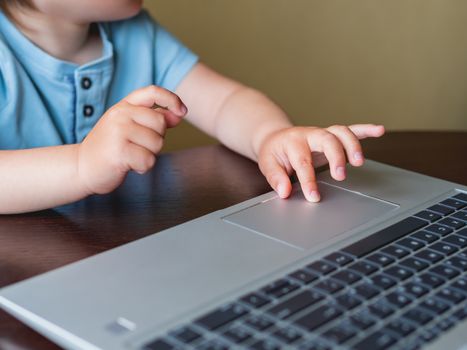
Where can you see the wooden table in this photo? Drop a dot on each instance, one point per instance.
(183, 185)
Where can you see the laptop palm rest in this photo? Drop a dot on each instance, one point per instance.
(302, 224)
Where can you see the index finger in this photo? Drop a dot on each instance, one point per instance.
(152, 95)
(362, 131)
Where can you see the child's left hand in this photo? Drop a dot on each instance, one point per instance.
(300, 149)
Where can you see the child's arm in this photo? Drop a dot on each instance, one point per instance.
(248, 122)
(127, 137)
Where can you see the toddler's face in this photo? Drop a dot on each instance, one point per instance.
(84, 11)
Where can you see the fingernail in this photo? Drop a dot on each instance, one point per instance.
(314, 196)
(281, 190)
(340, 171)
(183, 109)
(358, 156)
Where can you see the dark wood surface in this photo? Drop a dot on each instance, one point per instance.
(183, 185)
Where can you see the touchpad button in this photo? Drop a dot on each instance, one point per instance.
(304, 224)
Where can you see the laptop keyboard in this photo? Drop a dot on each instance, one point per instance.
(406, 282)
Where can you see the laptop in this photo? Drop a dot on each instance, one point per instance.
(379, 263)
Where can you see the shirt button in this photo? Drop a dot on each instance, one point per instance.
(86, 83)
(88, 110)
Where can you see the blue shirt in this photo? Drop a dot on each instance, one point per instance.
(45, 101)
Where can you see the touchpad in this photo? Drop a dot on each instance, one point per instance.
(304, 224)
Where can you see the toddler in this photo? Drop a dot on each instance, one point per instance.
(89, 88)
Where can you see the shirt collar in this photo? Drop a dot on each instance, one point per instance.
(31, 55)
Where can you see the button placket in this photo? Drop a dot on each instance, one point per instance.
(88, 101)
(91, 86)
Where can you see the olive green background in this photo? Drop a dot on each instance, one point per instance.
(402, 63)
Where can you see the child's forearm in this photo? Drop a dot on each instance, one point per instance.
(245, 119)
(238, 116)
(39, 178)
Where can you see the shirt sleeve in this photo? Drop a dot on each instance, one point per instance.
(173, 59)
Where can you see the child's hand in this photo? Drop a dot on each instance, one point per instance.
(128, 137)
(300, 149)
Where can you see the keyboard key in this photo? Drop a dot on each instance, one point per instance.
(418, 315)
(415, 289)
(401, 327)
(287, 335)
(315, 344)
(376, 341)
(363, 267)
(430, 280)
(411, 244)
(382, 281)
(214, 344)
(461, 314)
(340, 333)
(441, 209)
(462, 232)
(444, 248)
(363, 319)
(395, 251)
(255, 300)
(414, 264)
(159, 344)
(295, 304)
(365, 291)
(347, 276)
(259, 323)
(434, 305)
(304, 276)
(399, 272)
(428, 215)
(454, 203)
(429, 255)
(398, 299)
(452, 222)
(462, 196)
(460, 215)
(458, 263)
(265, 344)
(185, 335)
(439, 229)
(425, 236)
(339, 258)
(451, 295)
(460, 283)
(279, 288)
(322, 267)
(238, 335)
(222, 316)
(428, 335)
(330, 286)
(446, 324)
(381, 308)
(380, 259)
(458, 241)
(348, 301)
(445, 271)
(318, 317)
(385, 236)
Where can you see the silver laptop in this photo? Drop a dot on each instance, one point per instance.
(380, 263)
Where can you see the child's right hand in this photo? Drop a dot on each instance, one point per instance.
(127, 137)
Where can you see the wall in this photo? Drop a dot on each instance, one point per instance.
(402, 63)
